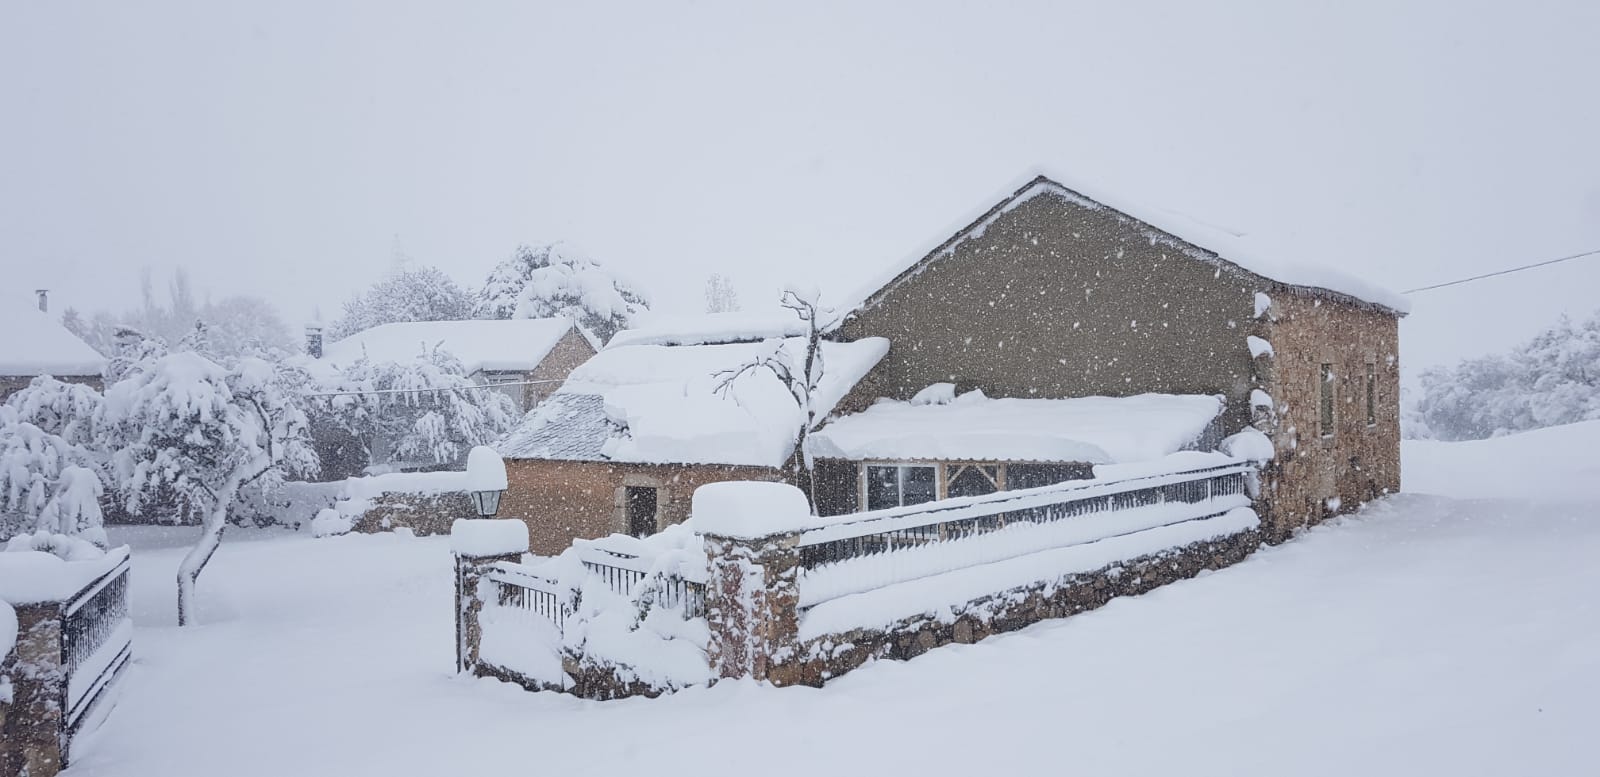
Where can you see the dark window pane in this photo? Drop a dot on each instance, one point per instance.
(883, 487)
(917, 485)
(970, 481)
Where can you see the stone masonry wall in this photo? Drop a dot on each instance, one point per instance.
(424, 514)
(30, 726)
(828, 657)
(570, 351)
(1358, 461)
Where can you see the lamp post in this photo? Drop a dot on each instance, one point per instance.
(486, 480)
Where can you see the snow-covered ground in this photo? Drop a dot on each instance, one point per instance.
(1424, 636)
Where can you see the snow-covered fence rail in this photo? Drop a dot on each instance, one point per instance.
(865, 551)
(74, 638)
(623, 572)
(516, 586)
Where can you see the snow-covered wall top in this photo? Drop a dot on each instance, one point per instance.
(1098, 430)
(31, 576)
(35, 343)
(512, 345)
(1183, 234)
(708, 328)
(660, 405)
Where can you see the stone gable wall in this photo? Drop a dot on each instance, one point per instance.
(1359, 461)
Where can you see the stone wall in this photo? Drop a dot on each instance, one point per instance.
(424, 514)
(566, 500)
(1355, 461)
(31, 725)
(827, 657)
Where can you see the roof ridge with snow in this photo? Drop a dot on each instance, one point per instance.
(1314, 279)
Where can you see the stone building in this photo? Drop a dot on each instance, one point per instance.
(34, 343)
(1053, 294)
(623, 444)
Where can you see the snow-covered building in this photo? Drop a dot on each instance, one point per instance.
(34, 343)
(1053, 295)
(623, 444)
(529, 357)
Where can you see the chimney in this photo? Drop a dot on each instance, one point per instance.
(44, 300)
(314, 340)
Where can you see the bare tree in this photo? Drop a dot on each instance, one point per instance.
(721, 297)
(800, 379)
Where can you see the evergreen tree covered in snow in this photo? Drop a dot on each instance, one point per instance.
(237, 326)
(1550, 380)
(188, 433)
(407, 294)
(559, 280)
(422, 411)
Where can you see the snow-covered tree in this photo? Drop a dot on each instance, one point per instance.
(801, 374)
(721, 297)
(407, 294)
(1552, 379)
(560, 280)
(190, 433)
(425, 410)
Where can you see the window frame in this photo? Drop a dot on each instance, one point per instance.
(900, 480)
(1372, 393)
(1327, 400)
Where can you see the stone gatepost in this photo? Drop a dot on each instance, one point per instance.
(479, 543)
(31, 738)
(752, 531)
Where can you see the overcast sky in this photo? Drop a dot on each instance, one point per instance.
(283, 149)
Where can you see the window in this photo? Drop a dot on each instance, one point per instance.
(1325, 401)
(641, 502)
(971, 479)
(896, 485)
(1372, 394)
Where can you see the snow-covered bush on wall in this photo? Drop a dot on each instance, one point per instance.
(1552, 379)
(422, 411)
(559, 280)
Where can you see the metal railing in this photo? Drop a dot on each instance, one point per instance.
(520, 589)
(96, 643)
(866, 551)
(623, 573)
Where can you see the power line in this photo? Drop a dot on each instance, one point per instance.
(426, 390)
(1503, 272)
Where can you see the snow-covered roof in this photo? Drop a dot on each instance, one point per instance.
(708, 328)
(659, 404)
(1198, 240)
(1098, 430)
(509, 345)
(35, 343)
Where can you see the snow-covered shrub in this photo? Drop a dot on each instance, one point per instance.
(560, 280)
(46, 482)
(330, 522)
(63, 546)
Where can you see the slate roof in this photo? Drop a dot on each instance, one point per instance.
(572, 427)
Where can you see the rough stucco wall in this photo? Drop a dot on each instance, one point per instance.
(1359, 462)
(566, 500)
(569, 352)
(1058, 300)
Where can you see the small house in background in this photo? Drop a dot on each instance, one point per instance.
(941, 445)
(34, 343)
(527, 357)
(1054, 295)
(623, 444)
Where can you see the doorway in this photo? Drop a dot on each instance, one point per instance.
(641, 504)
